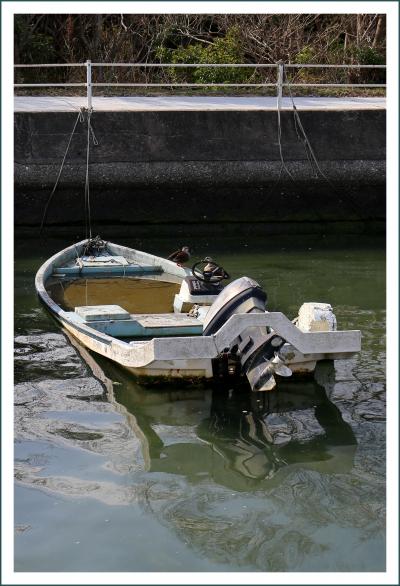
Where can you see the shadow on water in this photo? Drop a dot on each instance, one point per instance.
(247, 438)
(236, 437)
(257, 434)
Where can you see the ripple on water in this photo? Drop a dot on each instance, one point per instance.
(278, 528)
(52, 410)
(72, 411)
(38, 355)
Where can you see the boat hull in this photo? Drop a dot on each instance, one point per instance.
(183, 357)
(162, 370)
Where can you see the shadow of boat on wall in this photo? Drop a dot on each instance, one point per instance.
(237, 438)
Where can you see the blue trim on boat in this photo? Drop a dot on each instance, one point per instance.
(114, 270)
(131, 328)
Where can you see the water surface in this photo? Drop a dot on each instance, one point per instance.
(113, 476)
(133, 294)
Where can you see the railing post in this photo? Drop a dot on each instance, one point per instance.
(89, 83)
(279, 83)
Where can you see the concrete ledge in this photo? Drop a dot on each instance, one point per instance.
(190, 103)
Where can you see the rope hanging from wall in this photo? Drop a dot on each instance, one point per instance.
(90, 135)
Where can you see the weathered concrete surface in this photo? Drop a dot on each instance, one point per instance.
(203, 166)
(179, 103)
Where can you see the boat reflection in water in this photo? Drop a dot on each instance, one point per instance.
(258, 433)
(235, 437)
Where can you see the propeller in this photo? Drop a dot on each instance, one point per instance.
(262, 378)
(280, 367)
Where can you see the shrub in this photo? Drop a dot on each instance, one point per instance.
(223, 50)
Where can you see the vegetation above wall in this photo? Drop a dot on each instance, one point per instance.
(205, 38)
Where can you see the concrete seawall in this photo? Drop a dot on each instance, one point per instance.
(204, 167)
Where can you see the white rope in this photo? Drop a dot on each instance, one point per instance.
(90, 134)
(78, 119)
(88, 221)
(283, 164)
(312, 159)
(309, 150)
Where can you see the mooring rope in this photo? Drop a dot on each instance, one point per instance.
(88, 221)
(90, 134)
(307, 146)
(79, 118)
(283, 164)
(312, 157)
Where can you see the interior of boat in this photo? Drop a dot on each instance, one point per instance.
(124, 307)
(129, 294)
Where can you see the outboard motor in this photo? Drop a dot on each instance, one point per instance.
(257, 347)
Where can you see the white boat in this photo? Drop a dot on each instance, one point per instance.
(164, 321)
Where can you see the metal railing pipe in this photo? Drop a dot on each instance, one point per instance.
(279, 84)
(255, 65)
(50, 65)
(334, 66)
(49, 84)
(89, 83)
(211, 84)
(334, 84)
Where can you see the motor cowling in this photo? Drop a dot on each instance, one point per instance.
(256, 347)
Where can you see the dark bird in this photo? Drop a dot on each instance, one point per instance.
(180, 256)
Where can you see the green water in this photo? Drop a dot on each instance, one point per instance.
(111, 476)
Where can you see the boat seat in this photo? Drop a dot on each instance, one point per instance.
(101, 312)
(115, 321)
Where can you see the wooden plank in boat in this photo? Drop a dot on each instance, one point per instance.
(142, 325)
(165, 320)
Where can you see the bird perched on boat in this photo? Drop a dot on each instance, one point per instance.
(180, 256)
